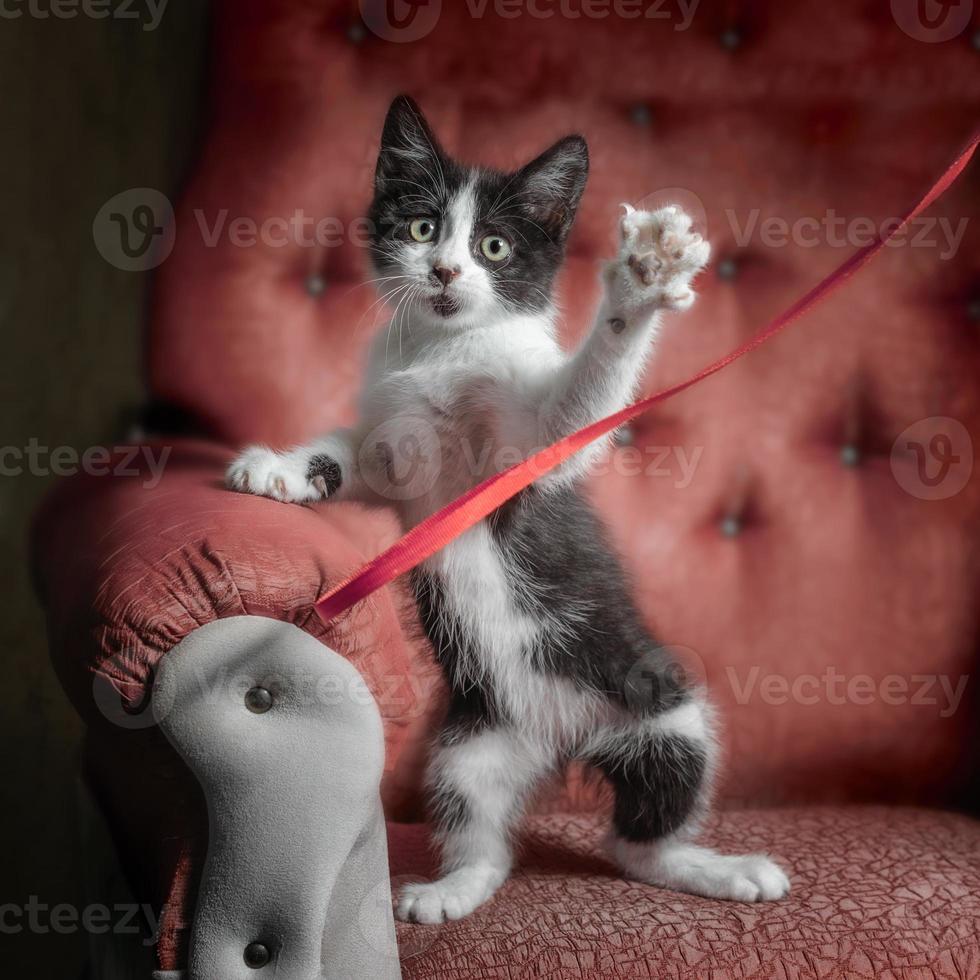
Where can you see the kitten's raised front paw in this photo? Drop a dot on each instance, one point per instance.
(659, 257)
(290, 477)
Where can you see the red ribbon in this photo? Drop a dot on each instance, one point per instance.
(437, 530)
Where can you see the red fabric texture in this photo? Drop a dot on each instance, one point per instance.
(792, 554)
(877, 892)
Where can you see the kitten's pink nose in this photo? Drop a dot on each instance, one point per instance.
(444, 274)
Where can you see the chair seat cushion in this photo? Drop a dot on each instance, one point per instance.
(877, 892)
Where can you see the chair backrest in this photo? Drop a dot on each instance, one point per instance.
(803, 525)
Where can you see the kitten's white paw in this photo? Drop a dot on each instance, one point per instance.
(701, 871)
(280, 476)
(741, 878)
(448, 898)
(659, 257)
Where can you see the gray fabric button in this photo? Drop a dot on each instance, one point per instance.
(730, 526)
(316, 285)
(727, 269)
(258, 700)
(623, 436)
(850, 455)
(973, 310)
(730, 39)
(356, 33)
(975, 41)
(641, 115)
(257, 955)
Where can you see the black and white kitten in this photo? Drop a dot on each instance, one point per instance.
(530, 616)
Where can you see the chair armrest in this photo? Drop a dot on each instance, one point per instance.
(132, 565)
(129, 563)
(287, 746)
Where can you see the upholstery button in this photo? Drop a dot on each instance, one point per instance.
(975, 41)
(356, 33)
(727, 269)
(258, 700)
(973, 310)
(257, 955)
(850, 455)
(731, 526)
(316, 285)
(641, 115)
(623, 436)
(730, 39)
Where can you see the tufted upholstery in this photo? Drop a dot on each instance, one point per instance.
(799, 111)
(795, 548)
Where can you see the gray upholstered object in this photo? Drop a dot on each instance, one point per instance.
(297, 859)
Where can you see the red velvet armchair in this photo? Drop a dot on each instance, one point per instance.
(780, 523)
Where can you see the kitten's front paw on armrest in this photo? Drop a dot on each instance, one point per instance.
(659, 257)
(296, 477)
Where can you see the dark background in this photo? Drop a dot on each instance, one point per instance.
(89, 108)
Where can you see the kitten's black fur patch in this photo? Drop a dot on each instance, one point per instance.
(449, 809)
(569, 573)
(564, 572)
(328, 468)
(533, 208)
(657, 785)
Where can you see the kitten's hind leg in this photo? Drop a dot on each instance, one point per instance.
(479, 783)
(659, 767)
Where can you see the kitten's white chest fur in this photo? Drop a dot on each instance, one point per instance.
(443, 413)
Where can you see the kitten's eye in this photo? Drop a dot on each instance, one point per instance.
(422, 229)
(495, 248)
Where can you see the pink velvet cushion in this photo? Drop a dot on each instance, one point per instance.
(877, 892)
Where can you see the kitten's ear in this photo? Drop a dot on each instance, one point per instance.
(553, 185)
(408, 145)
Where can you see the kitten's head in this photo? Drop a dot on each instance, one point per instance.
(465, 246)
